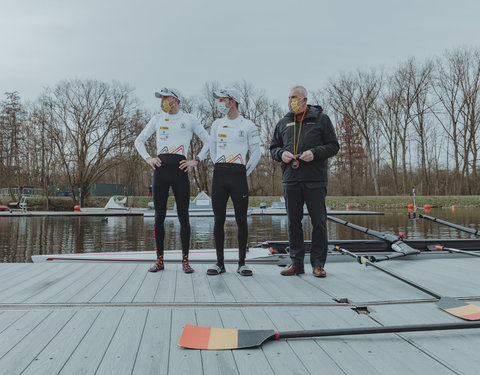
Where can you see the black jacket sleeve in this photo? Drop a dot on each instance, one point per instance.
(330, 144)
(276, 146)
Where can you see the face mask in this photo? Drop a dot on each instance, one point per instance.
(166, 107)
(222, 108)
(294, 106)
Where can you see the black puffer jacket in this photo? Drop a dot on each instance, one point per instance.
(317, 135)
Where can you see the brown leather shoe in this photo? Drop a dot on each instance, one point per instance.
(292, 270)
(319, 272)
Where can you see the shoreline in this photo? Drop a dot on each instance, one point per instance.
(334, 202)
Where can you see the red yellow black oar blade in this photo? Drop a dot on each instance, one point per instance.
(194, 337)
(460, 309)
(200, 337)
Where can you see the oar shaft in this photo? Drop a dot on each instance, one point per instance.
(396, 242)
(461, 251)
(411, 283)
(383, 236)
(452, 225)
(379, 329)
(390, 273)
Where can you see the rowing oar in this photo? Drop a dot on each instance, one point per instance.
(451, 249)
(450, 305)
(451, 225)
(401, 248)
(194, 337)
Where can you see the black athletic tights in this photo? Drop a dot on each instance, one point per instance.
(169, 174)
(230, 180)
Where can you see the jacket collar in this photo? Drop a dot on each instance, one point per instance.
(312, 113)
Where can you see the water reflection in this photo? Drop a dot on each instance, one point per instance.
(21, 237)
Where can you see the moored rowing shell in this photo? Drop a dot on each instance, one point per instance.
(255, 255)
(270, 252)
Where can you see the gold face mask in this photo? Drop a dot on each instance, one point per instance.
(166, 106)
(294, 106)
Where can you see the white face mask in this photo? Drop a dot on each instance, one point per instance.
(222, 108)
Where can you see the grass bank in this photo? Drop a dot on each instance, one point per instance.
(388, 201)
(367, 202)
(404, 201)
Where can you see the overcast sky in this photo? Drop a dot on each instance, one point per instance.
(273, 44)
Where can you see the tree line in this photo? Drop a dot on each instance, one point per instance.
(415, 125)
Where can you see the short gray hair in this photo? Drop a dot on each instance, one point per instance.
(302, 90)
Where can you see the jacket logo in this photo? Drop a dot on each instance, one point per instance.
(222, 136)
(164, 128)
(225, 126)
(241, 133)
(166, 119)
(290, 124)
(182, 125)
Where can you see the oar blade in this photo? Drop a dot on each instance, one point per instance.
(462, 310)
(432, 247)
(195, 337)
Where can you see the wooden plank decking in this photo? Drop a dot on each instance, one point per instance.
(120, 319)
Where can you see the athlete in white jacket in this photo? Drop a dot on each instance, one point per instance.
(173, 129)
(231, 138)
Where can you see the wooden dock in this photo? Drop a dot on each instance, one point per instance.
(120, 319)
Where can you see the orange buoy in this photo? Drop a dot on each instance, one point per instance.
(348, 207)
(410, 207)
(77, 208)
(427, 207)
(453, 207)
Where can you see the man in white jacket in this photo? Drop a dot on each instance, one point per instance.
(174, 130)
(231, 138)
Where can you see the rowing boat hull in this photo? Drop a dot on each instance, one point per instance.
(254, 255)
(271, 252)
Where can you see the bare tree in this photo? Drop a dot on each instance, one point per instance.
(470, 88)
(12, 118)
(355, 97)
(41, 118)
(90, 125)
(420, 81)
(350, 160)
(447, 87)
(389, 114)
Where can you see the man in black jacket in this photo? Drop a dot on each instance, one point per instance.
(303, 141)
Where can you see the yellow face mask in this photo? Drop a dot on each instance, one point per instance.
(294, 107)
(166, 105)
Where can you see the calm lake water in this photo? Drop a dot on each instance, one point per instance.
(22, 237)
